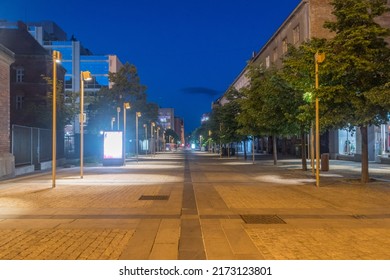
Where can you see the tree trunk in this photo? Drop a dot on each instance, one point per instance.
(303, 149)
(275, 150)
(365, 175)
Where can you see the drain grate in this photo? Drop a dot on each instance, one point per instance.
(154, 197)
(262, 219)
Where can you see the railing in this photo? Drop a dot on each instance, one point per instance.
(31, 145)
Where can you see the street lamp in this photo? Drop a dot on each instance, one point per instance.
(146, 138)
(126, 106)
(152, 124)
(319, 58)
(137, 115)
(118, 110)
(84, 76)
(56, 59)
(158, 139)
(112, 123)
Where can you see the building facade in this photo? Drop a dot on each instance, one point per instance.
(7, 160)
(304, 23)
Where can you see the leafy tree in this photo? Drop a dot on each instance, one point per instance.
(298, 71)
(126, 88)
(267, 105)
(357, 70)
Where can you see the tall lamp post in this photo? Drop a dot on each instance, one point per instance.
(158, 138)
(152, 124)
(319, 58)
(126, 106)
(56, 59)
(118, 110)
(137, 115)
(84, 76)
(146, 137)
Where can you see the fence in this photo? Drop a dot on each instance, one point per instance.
(32, 146)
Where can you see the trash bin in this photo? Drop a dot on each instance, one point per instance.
(325, 162)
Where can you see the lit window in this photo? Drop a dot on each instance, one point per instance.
(19, 74)
(267, 62)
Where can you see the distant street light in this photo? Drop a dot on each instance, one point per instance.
(137, 115)
(84, 76)
(126, 106)
(152, 124)
(56, 59)
(118, 110)
(112, 123)
(146, 138)
(158, 138)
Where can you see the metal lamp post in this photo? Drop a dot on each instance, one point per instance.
(319, 58)
(152, 124)
(126, 106)
(56, 59)
(146, 137)
(118, 110)
(137, 115)
(84, 76)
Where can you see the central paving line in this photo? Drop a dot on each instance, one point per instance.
(191, 242)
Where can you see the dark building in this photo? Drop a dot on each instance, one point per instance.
(29, 90)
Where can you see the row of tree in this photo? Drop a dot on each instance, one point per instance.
(354, 84)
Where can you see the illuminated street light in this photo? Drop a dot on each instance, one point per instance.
(112, 123)
(56, 59)
(118, 110)
(137, 115)
(158, 138)
(319, 58)
(126, 106)
(84, 76)
(152, 124)
(146, 138)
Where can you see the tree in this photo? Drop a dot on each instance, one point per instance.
(298, 71)
(126, 88)
(268, 105)
(357, 70)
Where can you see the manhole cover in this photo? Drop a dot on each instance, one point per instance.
(154, 197)
(262, 219)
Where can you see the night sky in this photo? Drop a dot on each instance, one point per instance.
(187, 52)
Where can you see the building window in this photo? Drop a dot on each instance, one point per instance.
(275, 55)
(19, 74)
(19, 102)
(284, 45)
(267, 62)
(296, 35)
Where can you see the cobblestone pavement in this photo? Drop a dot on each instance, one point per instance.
(197, 206)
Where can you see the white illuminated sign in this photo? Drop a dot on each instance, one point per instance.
(113, 145)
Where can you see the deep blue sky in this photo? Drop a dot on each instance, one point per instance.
(187, 52)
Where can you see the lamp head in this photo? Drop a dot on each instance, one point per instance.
(127, 105)
(86, 75)
(57, 56)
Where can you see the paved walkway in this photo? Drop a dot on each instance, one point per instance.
(197, 206)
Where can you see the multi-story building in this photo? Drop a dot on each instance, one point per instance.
(304, 23)
(166, 117)
(7, 161)
(29, 90)
(179, 129)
